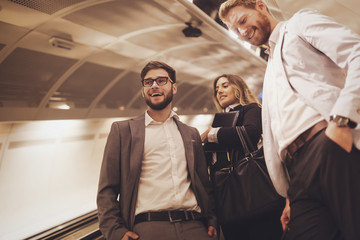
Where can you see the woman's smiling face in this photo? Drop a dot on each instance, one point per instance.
(225, 93)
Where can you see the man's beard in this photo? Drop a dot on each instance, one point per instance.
(264, 28)
(161, 105)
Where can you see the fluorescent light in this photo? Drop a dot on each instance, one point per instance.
(59, 105)
(64, 106)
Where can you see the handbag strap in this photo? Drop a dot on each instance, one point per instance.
(247, 139)
(242, 139)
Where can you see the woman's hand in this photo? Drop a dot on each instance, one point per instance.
(205, 134)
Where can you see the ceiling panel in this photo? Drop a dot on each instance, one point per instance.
(166, 38)
(48, 6)
(138, 103)
(26, 76)
(190, 100)
(11, 33)
(185, 92)
(80, 89)
(122, 92)
(113, 59)
(121, 17)
(204, 103)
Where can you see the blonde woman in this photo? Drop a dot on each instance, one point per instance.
(232, 94)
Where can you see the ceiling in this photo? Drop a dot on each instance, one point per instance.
(77, 59)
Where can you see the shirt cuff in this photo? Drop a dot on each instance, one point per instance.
(212, 135)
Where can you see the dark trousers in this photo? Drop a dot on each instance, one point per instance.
(267, 227)
(324, 191)
(162, 230)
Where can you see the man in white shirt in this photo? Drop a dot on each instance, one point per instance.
(154, 182)
(311, 111)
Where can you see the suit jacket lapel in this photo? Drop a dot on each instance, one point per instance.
(137, 129)
(188, 145)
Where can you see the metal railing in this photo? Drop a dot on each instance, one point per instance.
(85, 227)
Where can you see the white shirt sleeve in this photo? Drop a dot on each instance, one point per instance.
(342, 46)
(212, 136)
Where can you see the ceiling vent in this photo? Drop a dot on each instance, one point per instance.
(61, 43)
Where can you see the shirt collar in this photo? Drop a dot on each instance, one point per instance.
(274, 37)
(149, 120)
(230, 107)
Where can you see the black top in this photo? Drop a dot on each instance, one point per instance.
(250, 118)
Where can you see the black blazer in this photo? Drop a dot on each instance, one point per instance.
(250, 118)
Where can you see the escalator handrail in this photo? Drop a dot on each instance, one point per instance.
(64, 228)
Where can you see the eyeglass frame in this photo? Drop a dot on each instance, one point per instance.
(156, 80)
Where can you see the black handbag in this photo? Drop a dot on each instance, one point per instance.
(244, 189)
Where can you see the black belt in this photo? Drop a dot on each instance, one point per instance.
(303, 138)
(169, 216)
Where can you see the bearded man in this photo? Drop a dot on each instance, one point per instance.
(154, 182)
(310, 116)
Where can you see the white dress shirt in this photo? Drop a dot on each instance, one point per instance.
(164, 180)
(321, 60)
(289, 115)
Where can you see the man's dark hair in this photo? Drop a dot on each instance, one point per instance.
(156, 65)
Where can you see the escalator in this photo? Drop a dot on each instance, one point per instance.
(85, 227)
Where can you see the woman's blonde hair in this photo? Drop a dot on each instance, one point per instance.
(241, 91)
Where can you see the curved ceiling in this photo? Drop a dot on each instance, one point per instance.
(82, 58)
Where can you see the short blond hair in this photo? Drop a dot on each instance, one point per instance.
(229, 4)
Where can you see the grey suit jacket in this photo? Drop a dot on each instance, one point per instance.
(120, 174)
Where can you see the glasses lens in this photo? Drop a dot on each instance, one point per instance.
(160, 81)
(147, 82)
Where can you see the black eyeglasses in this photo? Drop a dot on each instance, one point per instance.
(160, 81)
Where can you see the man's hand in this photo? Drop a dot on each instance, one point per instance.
(212, 231)
(285, 217)
(340, 135)
(130, 235)
(205, 134)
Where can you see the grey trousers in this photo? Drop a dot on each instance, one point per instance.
(324, 191)
(159, 230)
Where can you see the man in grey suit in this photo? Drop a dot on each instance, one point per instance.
(154, 182)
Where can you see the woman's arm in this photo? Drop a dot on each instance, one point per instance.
(250, 118)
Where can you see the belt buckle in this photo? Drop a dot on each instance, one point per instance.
(173, 220)
(189, 215)
(192, 215)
